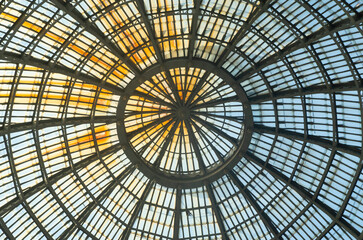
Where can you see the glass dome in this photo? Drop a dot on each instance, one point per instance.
(197, 119)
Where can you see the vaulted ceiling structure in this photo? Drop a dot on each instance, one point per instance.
(197, 119)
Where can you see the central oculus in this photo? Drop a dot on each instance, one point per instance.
(184, 126)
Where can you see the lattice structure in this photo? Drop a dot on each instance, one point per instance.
(197, 119)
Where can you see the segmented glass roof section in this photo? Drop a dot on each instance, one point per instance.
(65, 66)
(170, 131)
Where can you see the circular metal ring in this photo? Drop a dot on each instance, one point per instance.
(164, 108)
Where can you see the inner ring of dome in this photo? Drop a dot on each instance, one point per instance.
(184, 123)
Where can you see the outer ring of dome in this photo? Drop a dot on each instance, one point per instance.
(184, 181)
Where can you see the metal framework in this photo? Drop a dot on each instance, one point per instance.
(178, 124)
(144, 119)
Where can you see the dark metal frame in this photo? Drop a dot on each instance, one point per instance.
(172, 180)
(331, 29)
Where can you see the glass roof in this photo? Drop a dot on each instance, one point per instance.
(197, 119)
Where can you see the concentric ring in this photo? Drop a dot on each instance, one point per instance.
(184, 123)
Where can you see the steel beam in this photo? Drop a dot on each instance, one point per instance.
(213, 103)
(194, 28)
(353, 184)
(9, 35)
(219, 132)
(304, 193)
(137, 209)
(6, 230)
(311, 139)
(303, 211)
(68, 214)
(217, 212)
(149, 97)
(49, 187)
(194, 142)
(248, 195)
(102, 196)
(149, 125)
(326, 230)
(358, 81)
(17, 127)
(167, 142)
(156, 46)
(177, 214)
(295, 219)
(149, 29)
(204, 137)
(336, 88)
(56, 68)
(71, 10)
(259, 10)
(319, 34)
(54, 178)
(19, 191)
